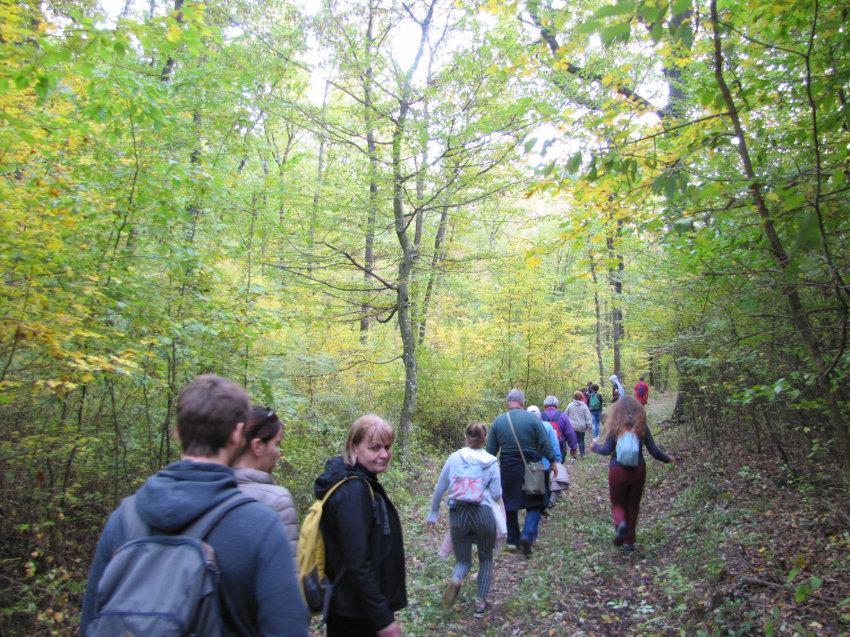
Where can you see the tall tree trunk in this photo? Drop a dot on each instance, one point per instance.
(598, 319)
(790, 291)
(319, 177)
(439, 253)
(652, 370)
(165, 74)
(372, 149)
(616, 282)
(405, 266)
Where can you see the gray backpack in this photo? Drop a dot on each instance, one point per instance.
(628, 449)
(163, 585)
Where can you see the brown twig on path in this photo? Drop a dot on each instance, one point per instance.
(785, 587)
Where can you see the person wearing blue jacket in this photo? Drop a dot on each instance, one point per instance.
(258, 590)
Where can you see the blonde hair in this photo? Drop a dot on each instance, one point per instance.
(476, 433)
(627, 413)
(370, 427)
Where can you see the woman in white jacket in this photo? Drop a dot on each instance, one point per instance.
(581, 418)
(254, 466)
(471, 475)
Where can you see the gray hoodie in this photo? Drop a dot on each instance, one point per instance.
(492, 478)
(580, 416)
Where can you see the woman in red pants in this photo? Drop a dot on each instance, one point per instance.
(627, 475)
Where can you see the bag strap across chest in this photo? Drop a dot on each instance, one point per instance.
(518, 446)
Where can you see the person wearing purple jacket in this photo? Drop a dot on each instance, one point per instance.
(568, 435)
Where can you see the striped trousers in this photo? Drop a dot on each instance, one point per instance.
(473, 523)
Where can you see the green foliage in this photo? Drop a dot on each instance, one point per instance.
(177, 201)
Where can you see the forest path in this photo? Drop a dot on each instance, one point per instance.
(596, 589)
(723, 549)
(575, 583)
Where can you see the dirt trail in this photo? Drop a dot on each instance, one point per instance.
(566, 587)
(727, 545)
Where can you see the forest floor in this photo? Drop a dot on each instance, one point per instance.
(723, 548)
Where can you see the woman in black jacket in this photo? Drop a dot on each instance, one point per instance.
(362, 535)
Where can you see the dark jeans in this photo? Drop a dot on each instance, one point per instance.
(339, 626)
(625, 488)
(580, 438)
(529, 527)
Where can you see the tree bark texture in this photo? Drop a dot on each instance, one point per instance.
(790, 290)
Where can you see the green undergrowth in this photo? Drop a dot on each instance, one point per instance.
(727, 545)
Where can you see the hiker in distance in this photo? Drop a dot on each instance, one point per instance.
(471, 476)
(257, 593)
(520, 436)
(642, 392)
(364, 548)
(628, 434)
(581, 419)
(595, 402)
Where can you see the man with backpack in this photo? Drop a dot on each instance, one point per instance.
(563, 426)
(146, 578)
(595, 404)
(642, 391)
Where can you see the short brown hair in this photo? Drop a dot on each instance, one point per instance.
(208, 410)
(578, 395)
(370, 427)
(476, 433)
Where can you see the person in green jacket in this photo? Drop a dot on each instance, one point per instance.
(534, 441)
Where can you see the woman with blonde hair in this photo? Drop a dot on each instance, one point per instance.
(471, 476)
(364, 548)
(628, 434)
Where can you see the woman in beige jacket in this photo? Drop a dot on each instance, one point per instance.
(580, 417)
(253, 468)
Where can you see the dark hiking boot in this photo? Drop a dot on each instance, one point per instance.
(525, 547)
(620, 537)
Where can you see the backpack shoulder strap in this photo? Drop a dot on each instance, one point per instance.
(133, 525)
(201, 527)
(342, 482)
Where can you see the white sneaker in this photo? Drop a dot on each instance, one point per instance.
(596, 440)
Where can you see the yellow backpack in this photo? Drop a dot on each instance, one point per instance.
(314, 584)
